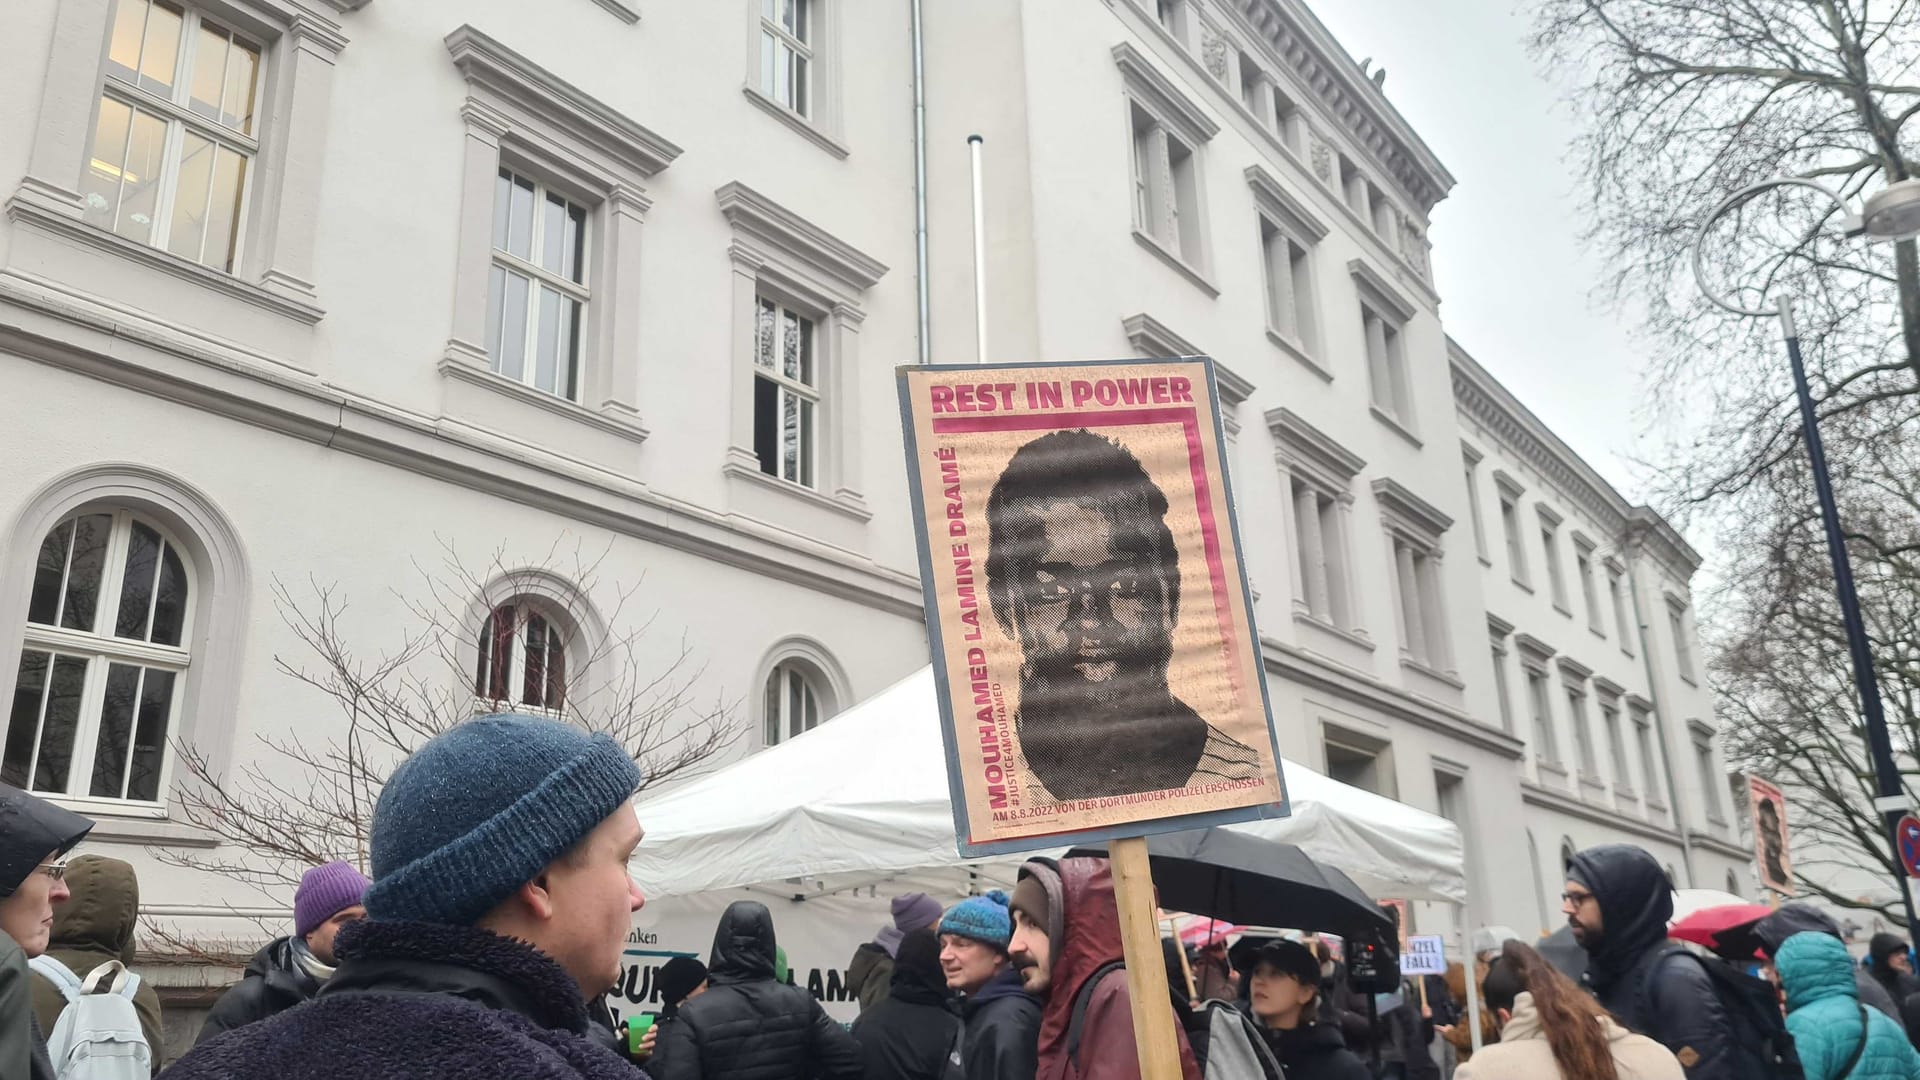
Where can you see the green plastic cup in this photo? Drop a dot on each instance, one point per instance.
(637, 1028)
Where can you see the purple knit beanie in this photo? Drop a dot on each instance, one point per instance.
(911, 911)
(324, 892)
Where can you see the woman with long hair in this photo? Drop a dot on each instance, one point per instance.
(1550, 1029)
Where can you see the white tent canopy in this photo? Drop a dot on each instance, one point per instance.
(865, 798)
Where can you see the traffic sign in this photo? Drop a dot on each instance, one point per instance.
(1908, 832)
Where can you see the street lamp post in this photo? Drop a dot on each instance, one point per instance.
(1891, 213)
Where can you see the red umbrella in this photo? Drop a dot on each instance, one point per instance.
(1207, 933)
(1702, 926)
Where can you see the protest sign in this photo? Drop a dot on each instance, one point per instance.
(1426, 954)
(1771, 854)
(1091, 629)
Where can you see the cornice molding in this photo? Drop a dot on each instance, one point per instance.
(1233, 388)
(1158, 93)
(755, 215)
(1295, 439)
(1281, 203)
(1373, 282)
(1548, 799)
(1151, 338)
(1398, 502)
(483, 61)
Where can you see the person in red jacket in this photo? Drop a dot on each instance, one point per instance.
(1066, 946)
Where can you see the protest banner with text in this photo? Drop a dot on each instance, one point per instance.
(1092, 632)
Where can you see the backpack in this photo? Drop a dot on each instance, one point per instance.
(98, 1035)
(1759, 1035)
(1235, 1050)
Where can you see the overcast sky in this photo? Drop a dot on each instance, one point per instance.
(1514, 281)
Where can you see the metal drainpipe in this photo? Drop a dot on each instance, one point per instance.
(1659, 713)
(920, 181)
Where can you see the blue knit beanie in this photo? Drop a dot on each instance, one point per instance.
(482, 809)
(982, 918)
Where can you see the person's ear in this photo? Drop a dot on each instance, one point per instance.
(1505, 1015)
(537, 895)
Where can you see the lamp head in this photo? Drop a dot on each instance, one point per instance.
(1893, 212)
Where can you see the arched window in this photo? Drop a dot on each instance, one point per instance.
(522, 658)
(1733, 883)
(1567, 852)
(1539, 883)
(794, 705)
(103, 665)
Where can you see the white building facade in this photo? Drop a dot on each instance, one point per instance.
(304, 294)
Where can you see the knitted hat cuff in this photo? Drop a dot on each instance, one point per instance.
(462, 881)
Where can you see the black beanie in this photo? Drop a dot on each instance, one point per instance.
(679, 977)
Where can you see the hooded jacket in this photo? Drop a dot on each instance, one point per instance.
(1003, 1031)
(1824, 1014)
(1523, 1054)
(916, 1032)
(416, 1000)
(1666, 996)
(94, 927)
(747, 1026)
(1898, 984)
(870, 975)
(1083, 934)
(1773, 931)
(30, 830)
(275, 981)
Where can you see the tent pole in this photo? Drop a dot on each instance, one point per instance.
(1471, 966)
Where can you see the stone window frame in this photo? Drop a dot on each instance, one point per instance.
(824, 674)
(1585, 555)
(1536, 656)
(1498, 631)
(1548, 526)
(299, 50)
(1324, 470)
(825, 125)
(1511, 528)
(1146, 89)
(1414, 527)
(1712, 805)
(521, 116)
(1646, 738)
(208, 710)
(1574, 677)
(1377, 297)
(1278, 207)
(563, 603)
(1618, 590)
(1680, 626)
(777, 253)
(1611, 698)
(1470, 459)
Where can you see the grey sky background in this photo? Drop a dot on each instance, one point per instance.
(1514, 281)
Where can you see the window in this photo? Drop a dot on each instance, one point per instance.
(1287, 122)
(1539, 882)
(1505, 695)
(1510, 525)
(537, 288)
(1582, 731)
(1470, 465)
(1256, 92)
(1649, 765)
(1583, 566)
(786, 397)
(1172, 16)
(1733, 883)
(1353, 188)
(1546, 747)
(1379, 212)
(104, 664)
(793, 703)
(1288, 266)
(1414, 530)
(786, 53)
(174, 142)
(1616, 745)
(523, 659)
(1682, 641)
(1616, 595)
(1709, 785)
(1386, 365)
(1319, 477)
(1359, 761)
(1166, 190)
(1567, 852)
(1550, 543)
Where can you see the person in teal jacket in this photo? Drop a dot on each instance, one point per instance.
(1825, 1016)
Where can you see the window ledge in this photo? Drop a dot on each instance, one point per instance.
(1588, 779)
(805, 127)
(1393, 422)
(1518, 584)
(28, 212)
(1563, 609)
(125, 823)
(1486, 562)
(1432, 672)
(1690, 681)
(846, 503)
(1349, 636)
(1626, 651)
(1552, 767)
(1294, 349)
(624, 10)
(1625, 794)
(1151, 243)
(628, 428)
(1597, 632)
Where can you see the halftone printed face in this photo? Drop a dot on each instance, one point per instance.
(1090, 603)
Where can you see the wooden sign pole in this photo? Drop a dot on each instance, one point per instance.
(1186, 969)
(1153, 1030)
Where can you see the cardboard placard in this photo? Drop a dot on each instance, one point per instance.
(1426, 954)
(1772, 854)
(1091, 628)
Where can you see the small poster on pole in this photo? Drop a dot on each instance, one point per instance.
(1091, 628)
(1771, 853)
(1426, 954)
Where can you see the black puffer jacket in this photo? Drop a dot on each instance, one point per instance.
(1664, 995)
(914, 1033)
(1314, 1052)
(747, 1026)
(1773, 931)
(1003, 1031)
(274, 983)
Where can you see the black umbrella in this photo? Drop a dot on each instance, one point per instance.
(1244, 879)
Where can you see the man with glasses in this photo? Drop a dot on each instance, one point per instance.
(35, 836)
(1618, 903)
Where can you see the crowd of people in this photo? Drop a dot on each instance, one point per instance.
(492, 929)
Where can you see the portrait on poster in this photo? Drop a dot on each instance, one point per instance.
(1772, 853)
(1088, 609)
